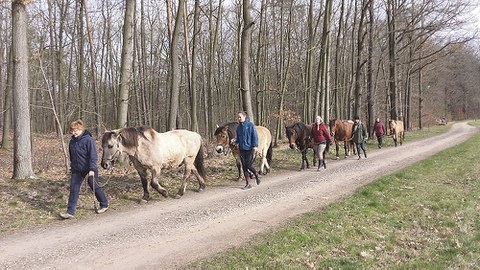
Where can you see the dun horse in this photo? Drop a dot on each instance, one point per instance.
(397, 131)
(341, 131)
(298, 135)
(153, 151)
(224, 135)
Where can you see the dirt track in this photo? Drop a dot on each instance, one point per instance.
(172, 233)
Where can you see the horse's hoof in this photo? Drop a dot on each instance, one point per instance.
(143, 201)
(177, 196)
(337, 158)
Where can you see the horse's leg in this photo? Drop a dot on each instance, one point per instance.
(346, 148)
(337, 148)
(201, 181)
(236, 154)
(314, 160)
(239, 168)
(189, 169)
(304, 158)
(143, 177)
(154, 183)
(265, 164)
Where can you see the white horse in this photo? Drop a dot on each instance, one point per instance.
(150, 150)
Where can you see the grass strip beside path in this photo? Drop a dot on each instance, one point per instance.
(426, 216)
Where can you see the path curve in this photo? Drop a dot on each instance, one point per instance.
(172, 233)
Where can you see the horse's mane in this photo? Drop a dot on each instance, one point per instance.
(299, 125)
(231, 129)
(130, 135)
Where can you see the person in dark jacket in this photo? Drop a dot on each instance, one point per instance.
(247, 139)
(359, 136)
(379, 131)
(321, 137)
(83, 162)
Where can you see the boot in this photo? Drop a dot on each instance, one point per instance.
(258, 179)
(247, 185)
(320, 164)
(324, 164)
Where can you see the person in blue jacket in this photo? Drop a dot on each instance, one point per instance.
(83, 162)
(247, 139)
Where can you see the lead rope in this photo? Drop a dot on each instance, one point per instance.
(93, 193)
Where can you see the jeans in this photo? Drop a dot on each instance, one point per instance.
(362, 147)
(319, 149)
(75, 183)
(246, 157)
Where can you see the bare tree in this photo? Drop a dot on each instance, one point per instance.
(361, 34)
(22, 152)
(193, 87)
(175, 69)
(126, 67)
(245, 60)
(391, 7)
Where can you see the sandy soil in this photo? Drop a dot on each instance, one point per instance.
(172, 233)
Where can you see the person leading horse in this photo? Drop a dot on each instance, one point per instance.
(321, 138)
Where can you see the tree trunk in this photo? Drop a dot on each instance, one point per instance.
(245, 60)
(359, 62)
(323, 66)
(22, 152)
(307, 94)
(175, 67)
(392, 60)
(370, 90)
(193, 88)
(7, 115)
(126, 66)
(93, 70)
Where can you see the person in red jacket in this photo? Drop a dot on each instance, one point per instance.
(379, 131)
(321, 137)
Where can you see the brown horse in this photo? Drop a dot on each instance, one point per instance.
(298, 135)
(341, 131)
(224, 135)
(153, 151)
(397, 131)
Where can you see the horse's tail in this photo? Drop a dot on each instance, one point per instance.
(199, 163)
(269, 154)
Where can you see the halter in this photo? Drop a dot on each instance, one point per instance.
(114, 156)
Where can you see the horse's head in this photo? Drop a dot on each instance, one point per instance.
(222, 139)
(111, 148)
(292, 136)
(332, 124)
(392, 124)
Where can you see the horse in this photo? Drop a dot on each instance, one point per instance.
(397, 131)
(298, 135)
(224, 135)
(151, 151)
(341, 130)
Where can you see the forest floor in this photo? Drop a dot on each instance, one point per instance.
(169, 233)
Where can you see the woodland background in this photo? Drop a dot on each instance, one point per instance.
(194, 63)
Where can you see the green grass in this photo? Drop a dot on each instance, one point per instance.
(426, 216)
